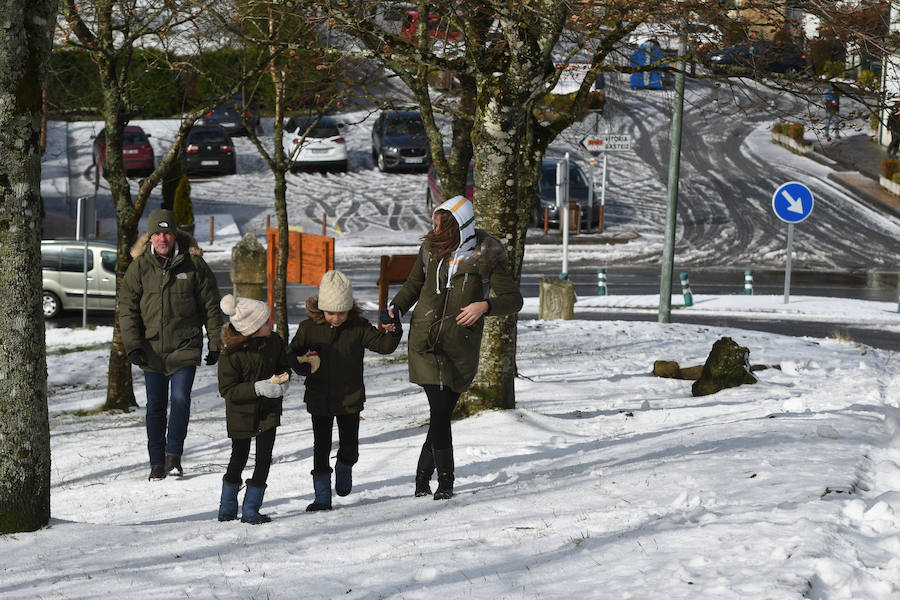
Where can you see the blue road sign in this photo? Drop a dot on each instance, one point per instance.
(792, 202)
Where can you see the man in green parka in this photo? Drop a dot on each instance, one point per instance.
(167, 297)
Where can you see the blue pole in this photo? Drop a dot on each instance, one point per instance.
(601, 282)
(748, 282)
(686, 290)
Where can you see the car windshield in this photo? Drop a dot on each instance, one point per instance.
(548, 178)
(320, 130)
(405, 126)
(207, 137)
(134, 138)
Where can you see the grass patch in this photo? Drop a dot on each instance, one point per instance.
(71, 349)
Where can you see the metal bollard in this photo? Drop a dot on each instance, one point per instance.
(686, 290)
(748, 282)
(601, 282)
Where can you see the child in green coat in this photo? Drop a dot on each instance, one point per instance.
(338, 334)
(253, 377)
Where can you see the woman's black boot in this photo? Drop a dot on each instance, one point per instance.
(424, 470)
(443, 462)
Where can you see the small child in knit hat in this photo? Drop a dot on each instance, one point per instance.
(338, 333)
(253, 378)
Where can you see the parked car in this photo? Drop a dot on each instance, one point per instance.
(137, 153)
(63, 274)
(208, 150)
(228, 115)
(546, 193)
(433, 194)
(322, 147)
(761, 56)
(399, 141)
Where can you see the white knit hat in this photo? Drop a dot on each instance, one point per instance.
(246, 315)
(335, 292)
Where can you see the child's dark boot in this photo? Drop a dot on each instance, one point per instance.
(343, 478)
(228, 505)
(322, 487)
(253, 499)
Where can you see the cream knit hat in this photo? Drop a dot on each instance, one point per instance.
(246, 315)
(335, 292)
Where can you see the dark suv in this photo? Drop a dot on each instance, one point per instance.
(399, 141)
(208, 149)
(762, 56)
(228, 115)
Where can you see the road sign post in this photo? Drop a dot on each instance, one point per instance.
(792, 202)
(602, 143)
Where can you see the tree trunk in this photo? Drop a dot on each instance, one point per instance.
(505, 170)
(24, 424)
(119, 388)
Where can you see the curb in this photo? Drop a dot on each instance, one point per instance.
(874, 201)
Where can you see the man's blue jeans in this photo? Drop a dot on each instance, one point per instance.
(159, 443)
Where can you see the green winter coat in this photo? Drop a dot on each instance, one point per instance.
(164, 310)
(337, 388)
(246, 414)
(440, 351)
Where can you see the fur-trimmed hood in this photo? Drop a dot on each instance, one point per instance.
(182, 238)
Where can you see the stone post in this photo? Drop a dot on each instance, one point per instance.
(557, 299)
(248, 268)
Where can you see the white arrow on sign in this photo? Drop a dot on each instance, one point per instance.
(793, 205)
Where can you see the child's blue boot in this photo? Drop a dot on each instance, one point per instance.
(322, 487)
(253, 498)
(343, 478)
(228, 501)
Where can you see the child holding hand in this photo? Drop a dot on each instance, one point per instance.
(253, 378)
(339, 335)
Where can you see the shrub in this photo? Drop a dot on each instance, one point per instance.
(833, 68)
(823, 51)
(895, 177)
(874, 121)
(183, 208)
(796, 131)
(889, 167)
(867, 78)
(170, 182)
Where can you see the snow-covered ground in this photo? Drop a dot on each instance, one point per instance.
(604, 482)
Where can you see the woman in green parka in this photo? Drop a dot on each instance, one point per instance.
(253, 378)
(460, 276)
(338, 335)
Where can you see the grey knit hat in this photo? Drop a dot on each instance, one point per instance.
(246, 315)
(161, 220)
(335, 292)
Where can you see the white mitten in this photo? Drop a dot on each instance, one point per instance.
(284, 387)
(270, 390)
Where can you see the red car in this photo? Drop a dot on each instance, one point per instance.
(137, 153)
(433, 194)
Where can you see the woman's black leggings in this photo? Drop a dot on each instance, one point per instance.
(441, 402)
(348, 441)
(240, 452)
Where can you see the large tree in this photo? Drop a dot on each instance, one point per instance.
(24, 427)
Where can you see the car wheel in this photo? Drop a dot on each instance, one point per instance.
(50, 304)
(381, 166)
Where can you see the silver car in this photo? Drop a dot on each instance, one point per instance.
(64, 277)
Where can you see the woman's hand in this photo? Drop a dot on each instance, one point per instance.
(469, 315)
